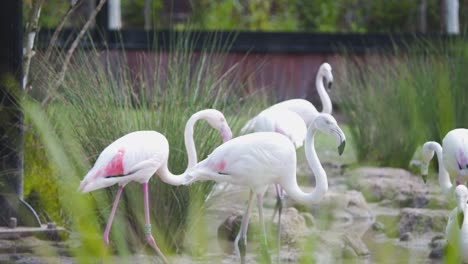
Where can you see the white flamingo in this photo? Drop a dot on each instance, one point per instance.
(457, 225)
(455, 153)
(137, 156)
(451, 156)
(259, 159)
(305, 109)
(284, 118)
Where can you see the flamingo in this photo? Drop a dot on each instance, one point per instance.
(137, 156)
(452, 157)
(455, 153)
(305, 109)
(285, 118)
(457, 224)
(259, 159)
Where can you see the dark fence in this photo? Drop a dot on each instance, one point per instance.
(288, 61)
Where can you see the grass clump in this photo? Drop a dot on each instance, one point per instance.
(397, 102)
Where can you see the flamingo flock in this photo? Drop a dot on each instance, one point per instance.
(452, 159)
(265, 154)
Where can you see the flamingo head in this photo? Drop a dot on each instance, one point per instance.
(217, 120)
(427, 154)
(327, 124)
(325, 71)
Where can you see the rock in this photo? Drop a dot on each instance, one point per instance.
(309, 219)
(419, 221)
(378, 226)
(406, 236)
(393, 185)
(438, 245)
(343, 205)
(348, 252)
(293, 226)
(356, 244)
(435, 241)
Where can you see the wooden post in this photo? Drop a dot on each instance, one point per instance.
(11, 118)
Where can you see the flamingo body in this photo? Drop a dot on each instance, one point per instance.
(254, 160)
(457, 224)
(455, 153)
(133, 157)
(281, 121)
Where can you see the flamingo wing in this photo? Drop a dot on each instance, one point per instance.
(133, 157)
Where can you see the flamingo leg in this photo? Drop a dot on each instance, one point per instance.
(264, 241)
(241, 240)
(279, 206)
(149, 236)
(112, 214)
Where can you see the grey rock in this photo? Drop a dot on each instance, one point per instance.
(393, 186)
(293, 226)
(348, 252)
(406, 236)
(343, 204)
(378, 226)
(419, 221)
(356, 244)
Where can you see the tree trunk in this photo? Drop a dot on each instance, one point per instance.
(115, 15)
(451, 17)
(423, 16)
(11, 118)
(147, 14)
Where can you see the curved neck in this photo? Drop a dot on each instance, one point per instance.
(324, 97)
(321, 182)
(444, 177)
(164, 173)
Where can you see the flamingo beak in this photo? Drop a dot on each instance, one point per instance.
(226, 132)
(461, 217)
(341, 147)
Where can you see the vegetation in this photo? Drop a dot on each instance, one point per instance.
(102, 99)
(399, 102)
(267, 15)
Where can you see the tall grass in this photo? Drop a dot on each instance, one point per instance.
(101, 100)
(397, 102)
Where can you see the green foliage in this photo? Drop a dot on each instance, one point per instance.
(133, 13)
(398, 104)
(264, 15)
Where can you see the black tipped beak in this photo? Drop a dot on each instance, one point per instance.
(329, 86)
(424, 177)
(461, 217)
(341, 147)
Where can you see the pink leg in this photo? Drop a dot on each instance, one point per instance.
(149, 236)
(112, 214)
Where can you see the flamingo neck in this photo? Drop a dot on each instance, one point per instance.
(324, 97)
(444, 177)
(321, 182)
(164, 173)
